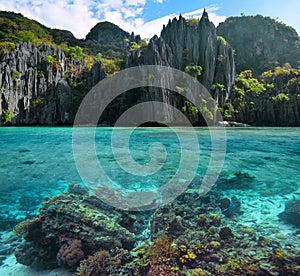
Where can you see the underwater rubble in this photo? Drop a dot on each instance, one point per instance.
(189, 236)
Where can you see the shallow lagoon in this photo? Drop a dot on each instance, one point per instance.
(261, 169)
(38, 161)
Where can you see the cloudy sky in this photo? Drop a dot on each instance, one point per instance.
(145, 17)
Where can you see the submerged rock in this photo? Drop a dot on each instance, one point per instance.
(71, 217)
(231, 207)
(291, 213)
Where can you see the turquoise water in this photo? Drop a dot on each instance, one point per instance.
(38, 161)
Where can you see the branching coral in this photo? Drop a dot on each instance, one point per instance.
(162, 256)
(187, 257)
(162, 248)
(98, 264)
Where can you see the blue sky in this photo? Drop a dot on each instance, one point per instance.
(145, 17)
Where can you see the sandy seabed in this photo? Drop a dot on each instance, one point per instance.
(11, 267)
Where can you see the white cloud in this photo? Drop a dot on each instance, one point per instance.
(153, 27)
(79, 16)
(135, 2)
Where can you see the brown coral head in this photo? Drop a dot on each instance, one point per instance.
(70, 253)
(224, 203)
(226, 233)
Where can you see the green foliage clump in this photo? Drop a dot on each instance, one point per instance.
(15, 74)
(7, 28)
(249, 84)
(16, 28)
(193, 70)
(76, 52)
(50, 59)
(282, 71)
(6, 46)
(280, 97)
(267, 76)
(227, 111)
(25, 36)
(110, 66)
(193, 21)
(222, 39)
(293, 85)
(134, 46)
(217, 87)
(7, 116)
(38, 102)
(192, 111)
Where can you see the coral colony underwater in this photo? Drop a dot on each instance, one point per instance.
(247, 224)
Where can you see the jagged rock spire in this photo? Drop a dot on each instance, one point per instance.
(204, 15)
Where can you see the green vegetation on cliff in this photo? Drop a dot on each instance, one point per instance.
(106, 38)
(16, 28)
(270, 99)
(261, 43)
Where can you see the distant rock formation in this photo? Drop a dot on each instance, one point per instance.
(260, 43)
(110, 40)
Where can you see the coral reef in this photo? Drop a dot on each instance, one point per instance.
(226, 233)
(187, 237)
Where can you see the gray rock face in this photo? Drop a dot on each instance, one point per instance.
(182, 44)
(34, 87)
(264, 111)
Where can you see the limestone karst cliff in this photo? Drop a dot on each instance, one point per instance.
(37, 85)
(185, 43)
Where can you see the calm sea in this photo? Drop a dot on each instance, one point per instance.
(38, 161)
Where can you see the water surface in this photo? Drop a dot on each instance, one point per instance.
(38, 161)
